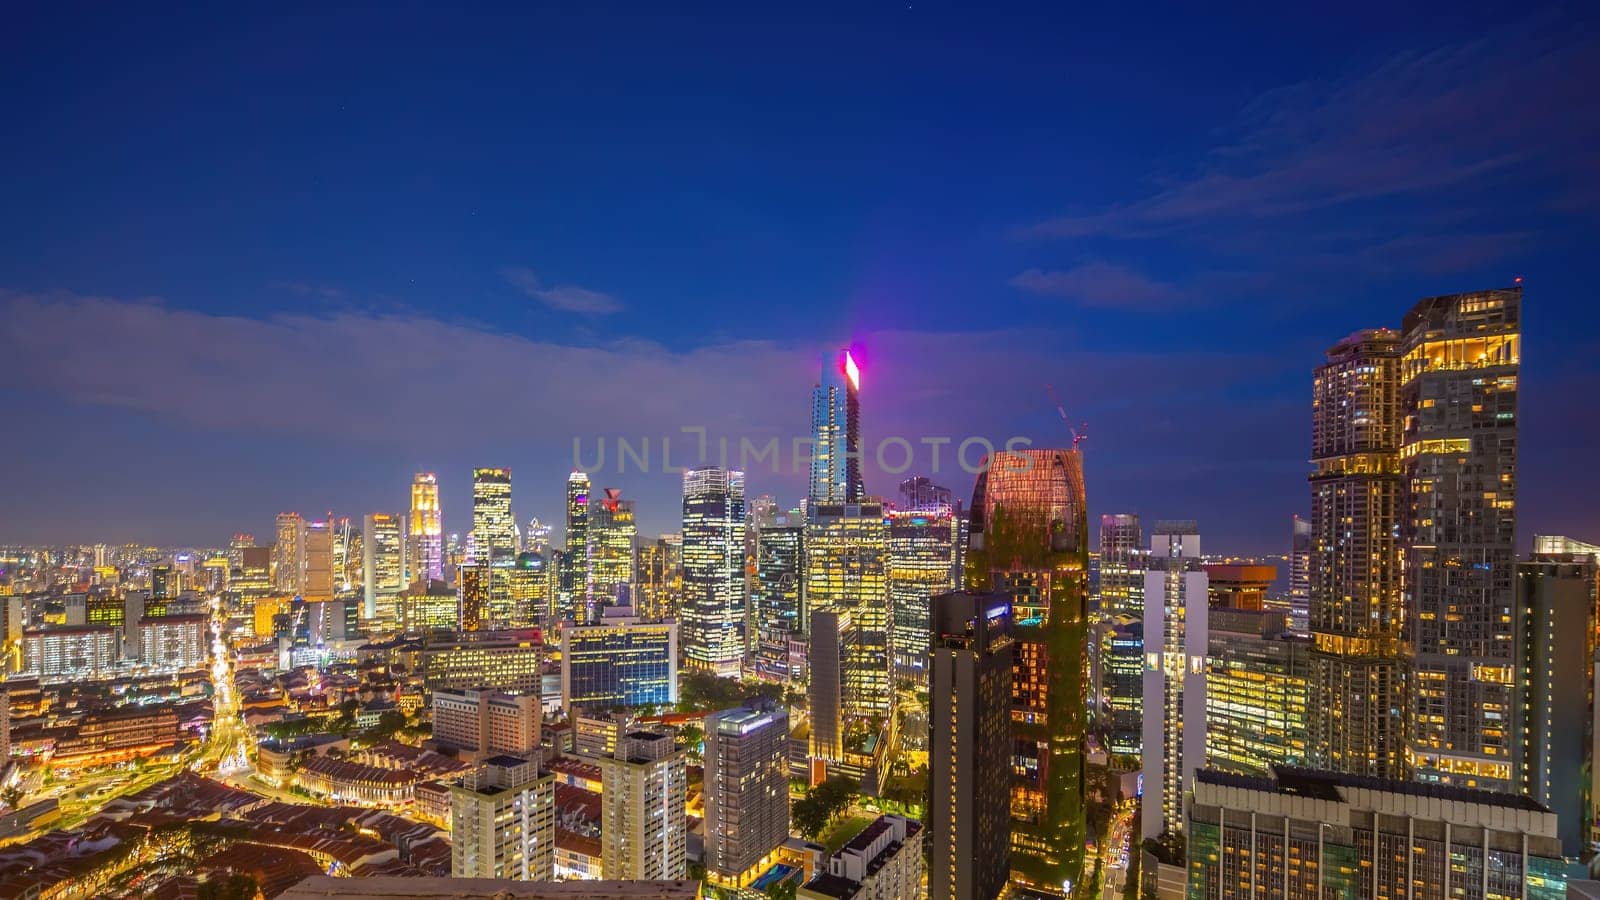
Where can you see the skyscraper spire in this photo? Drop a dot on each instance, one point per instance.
(836, 432)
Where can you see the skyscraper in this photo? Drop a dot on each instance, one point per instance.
(1029, 542)
(1459, 458)
(619, 661)
(713, 569)
(1355, 606)
(611, 534)
(921, 564)
(847, 549)
(1175, 606)
(969, 761)
(494, 540)
(746, 790)
(1300, 547)
(1122, 565)
(382, 569)
(1256, 690)
(573, 595)
(643, 833)
(318, 554)
(425, 531)
(836, 431)
(777, 594)
(289, 554)
(658, 568)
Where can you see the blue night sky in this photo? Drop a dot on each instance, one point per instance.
(254, 263)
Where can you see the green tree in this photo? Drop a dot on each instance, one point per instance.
(812, 813)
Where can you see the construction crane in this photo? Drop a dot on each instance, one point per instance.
(1081, 432)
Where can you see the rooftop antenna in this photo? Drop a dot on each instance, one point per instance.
(1081, 432)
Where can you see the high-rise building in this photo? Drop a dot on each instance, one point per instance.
(969, 747)
(482, 723)
(1257, 680)
(425, 532)
(476, 613)
(1356, 610)
(573, 599)
(643, 834)
(494, 538)
(1175, 608)
(530, 589)
(318, 582)
(289, 554)
(427, 608)
(1557, 599)
(611, 535)
(1459, 461)
(922, 551)
(1122, 565)
(619, 661)
(503, 821)
(175, 643)
(847, 549)
(746, 790)
(1300, 833)
(1029, 541)
(537, 538)
(382, 565)
(832, 634)
(658, 569)
(836, 431)
(713, 570)
(1300, 548)
(778, 595)
(1117, 673)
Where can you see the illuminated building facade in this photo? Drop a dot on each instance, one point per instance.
(382, 566)
(1257, 681)
(1122, 565)
(969, 759)
(643, 833)
(494, 538)
(611, 535)
(1305, 834)
(658, 569)
(746, 790)
(713, 570)
(619, 661)
(1176, 604)
(847, 550)
(475, 610)
(1459, 459)
(425, 608)
(574, 593)
(486, 723)
(503, 821)
(921, 565)
(506, 661)
(530, 589)
(1242, 586)
(1558, 595)
(1300, 547)
(1358, 671)
(1118, 677)
(1028, 542)
(317, 584)
(425, 532)
(778, 594)
(85, 652)
(174, 643)
(836, 432)
(289, 554)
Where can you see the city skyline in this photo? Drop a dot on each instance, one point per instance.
(1216, 239)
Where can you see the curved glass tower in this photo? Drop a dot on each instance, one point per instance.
(1029, 541)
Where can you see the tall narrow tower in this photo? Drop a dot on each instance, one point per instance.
(425, 534)
(1459, 460)
(836, 431)
(574, 574)
(1028, 542)
(713, 570)
(1357, 689)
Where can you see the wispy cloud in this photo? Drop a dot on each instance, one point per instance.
(1100, 285)
(566, 297)
(1424, 123)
